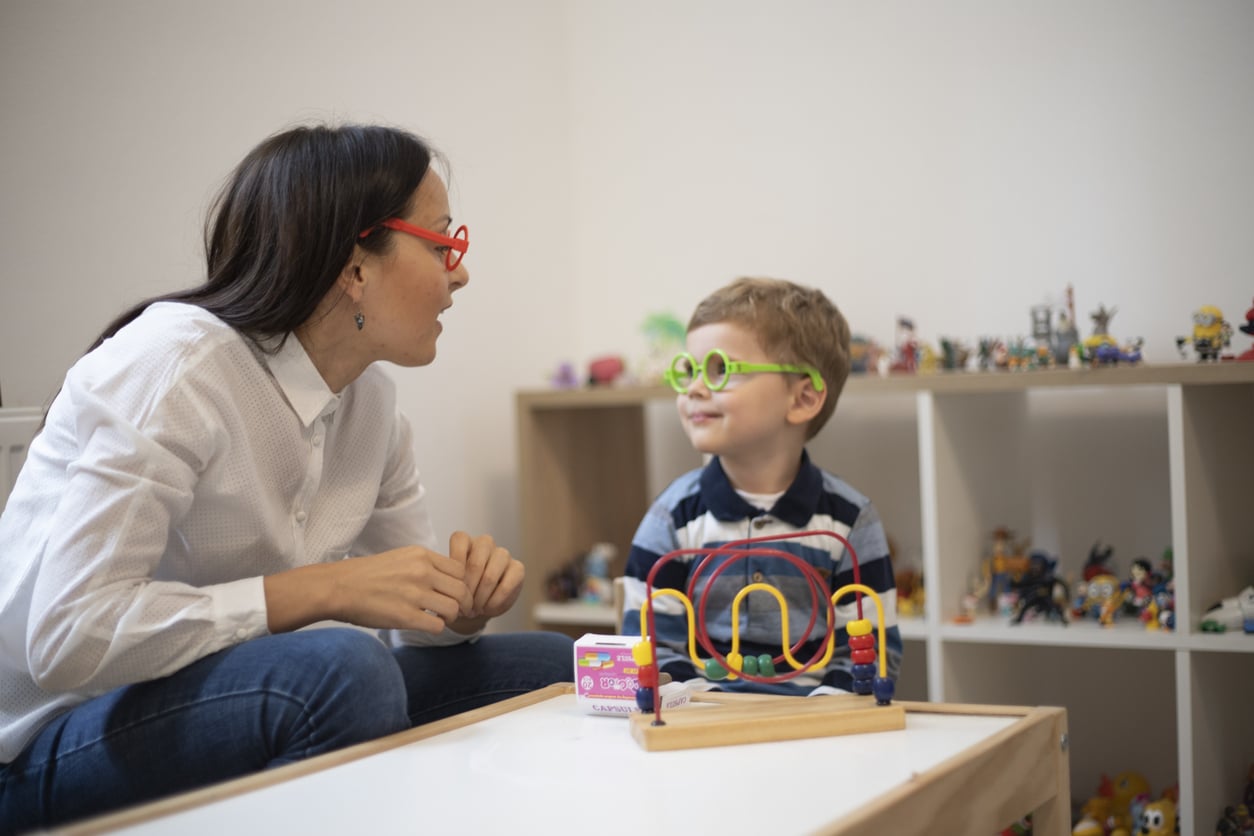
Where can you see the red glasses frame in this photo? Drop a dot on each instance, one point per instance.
(457, 243)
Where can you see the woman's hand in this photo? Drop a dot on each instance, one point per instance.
(493, 579)
(410, 588)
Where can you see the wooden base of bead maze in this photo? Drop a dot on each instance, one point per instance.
(759, 718)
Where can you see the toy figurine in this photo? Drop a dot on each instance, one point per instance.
(605, 371)
(1140, 587)
(1040, 591)
(1101, 332)
(1248, 328)
(864, 354)
(1110, 354)
(907, 359)
(988, 351)
(1054, 344)
(1235, 613)
(597, 586)
(1159, 818)
(1102, 600)
(1006, 564)
(954, 354)
(1211, 334)
(1098, 562)
(565, 377)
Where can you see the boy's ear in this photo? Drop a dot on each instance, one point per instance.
(806, 402)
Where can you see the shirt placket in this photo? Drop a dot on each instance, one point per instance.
(315, 436)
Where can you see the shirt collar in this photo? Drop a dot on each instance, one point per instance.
(300, 382)
(796, 507)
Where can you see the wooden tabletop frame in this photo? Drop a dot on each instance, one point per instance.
(1022, 768)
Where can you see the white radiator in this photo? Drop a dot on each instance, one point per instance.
(17, 428)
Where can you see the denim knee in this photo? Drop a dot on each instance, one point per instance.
(355, 688)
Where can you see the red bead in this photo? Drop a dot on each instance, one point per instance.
(861, 642)
(863, 657)
(648, 676)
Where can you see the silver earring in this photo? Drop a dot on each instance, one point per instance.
(360, 320)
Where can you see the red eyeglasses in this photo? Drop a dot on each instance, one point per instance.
(457, 243)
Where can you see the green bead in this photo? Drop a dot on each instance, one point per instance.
(766, 667)
(714, 671)
(751, 665)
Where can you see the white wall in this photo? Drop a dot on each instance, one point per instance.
(955, 162)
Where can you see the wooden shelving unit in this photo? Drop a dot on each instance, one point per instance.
(1143, 458)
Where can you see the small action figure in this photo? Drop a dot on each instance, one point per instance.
(1040, 591)
(1098, 562)
(907, 359)
(1101, 332)
(1211, 334)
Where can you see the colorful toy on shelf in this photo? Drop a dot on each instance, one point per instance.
(864, 354)
(954, 354)
(1117, 807)
(911, 598)
(1111, 354)
(975, 596)
(1101, 332)
(1055, 344)
(664, 336)
(990, 354)
(1159, 818)
(1140, 587)
(605, 371)
(1248, 329)
(1238, 820)
(565, 377)
(1007, 563)
(1098, 562)
(870, 668)
(1211, 334)
(1103, 598)
(1235, 613)
(1040, 591)
(906, 358)
(598, 588)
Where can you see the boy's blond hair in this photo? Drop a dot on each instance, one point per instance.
(794, 324)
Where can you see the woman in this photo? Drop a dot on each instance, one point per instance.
(200, 479)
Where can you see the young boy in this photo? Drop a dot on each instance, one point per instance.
(765, 364)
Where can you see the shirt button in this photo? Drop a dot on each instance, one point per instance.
(761, 522)
(301, 516)
(317, 440)
(758, 577)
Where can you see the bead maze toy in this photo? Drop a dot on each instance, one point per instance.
(753, 718)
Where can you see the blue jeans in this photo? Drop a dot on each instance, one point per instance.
(267, 702)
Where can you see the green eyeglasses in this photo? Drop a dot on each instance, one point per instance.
(716, 369)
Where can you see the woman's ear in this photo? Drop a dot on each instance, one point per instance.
(806, 402)
(352, 279)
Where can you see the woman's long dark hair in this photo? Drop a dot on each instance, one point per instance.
(284, 225)
(282, 228)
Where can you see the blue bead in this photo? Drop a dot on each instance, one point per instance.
(862, 686)
(644, 700)
(884, 688)
(866, 672)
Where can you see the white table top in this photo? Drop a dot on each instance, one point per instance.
(551, 767)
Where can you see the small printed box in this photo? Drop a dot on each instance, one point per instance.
(606, 676)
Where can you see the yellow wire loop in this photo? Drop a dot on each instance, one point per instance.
(879, 611)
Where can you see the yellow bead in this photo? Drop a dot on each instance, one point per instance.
(642, 652)
(861, 627)
(736, 662)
